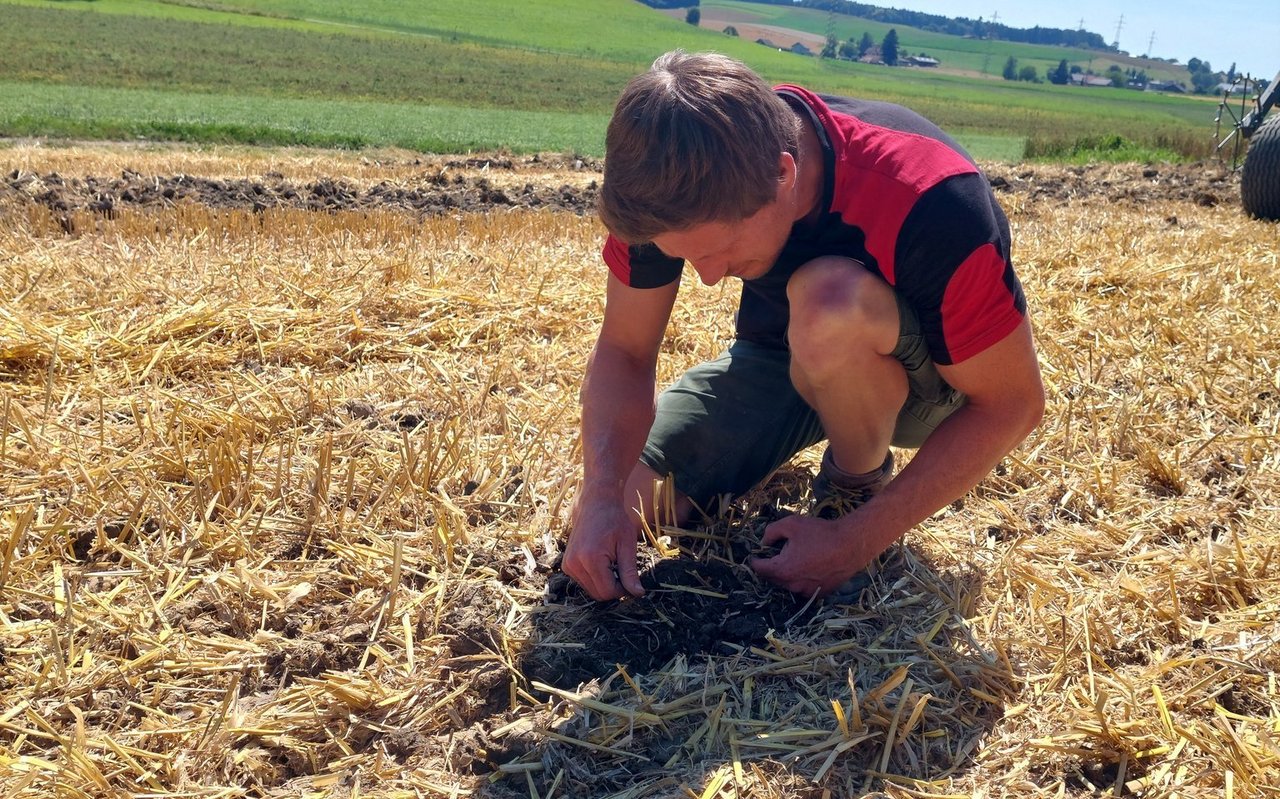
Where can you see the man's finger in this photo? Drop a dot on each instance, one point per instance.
(770, 568)
(628, 576)
(774, 533)
(596, 578)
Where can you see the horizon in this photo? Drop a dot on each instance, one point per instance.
(1176, 29)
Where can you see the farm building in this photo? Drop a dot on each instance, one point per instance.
(1081, 79)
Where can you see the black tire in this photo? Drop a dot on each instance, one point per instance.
(1260, 177)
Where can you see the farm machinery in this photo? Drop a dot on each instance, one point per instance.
(1260, 173)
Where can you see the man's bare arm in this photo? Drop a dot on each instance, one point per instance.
(617, 412)
(1005, 403)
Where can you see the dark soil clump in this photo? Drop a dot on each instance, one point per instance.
(464, 186)
(433, 194)
(692, 607)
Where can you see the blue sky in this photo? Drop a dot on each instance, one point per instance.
(1219, 31)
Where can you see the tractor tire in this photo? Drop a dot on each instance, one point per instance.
(1260, 177)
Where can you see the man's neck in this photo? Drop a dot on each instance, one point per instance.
(810, 175)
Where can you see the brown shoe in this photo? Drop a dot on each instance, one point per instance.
(836, 492)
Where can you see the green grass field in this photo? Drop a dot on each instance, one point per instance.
(80, 113)
(955, 52)
(447, 76)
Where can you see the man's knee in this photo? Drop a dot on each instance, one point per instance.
(839, 312)
(655, 498)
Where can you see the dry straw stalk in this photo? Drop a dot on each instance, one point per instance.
(279, 491)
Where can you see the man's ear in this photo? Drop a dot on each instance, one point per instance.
(787, 168)
(788, 173)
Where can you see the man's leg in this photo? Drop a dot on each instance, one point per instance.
(844, 330)
(721, 429)
(655, 499)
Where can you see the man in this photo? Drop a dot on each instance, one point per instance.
(879, 307)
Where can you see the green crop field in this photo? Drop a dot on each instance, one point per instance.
(448, 76)
(981, 56)
(78, 112)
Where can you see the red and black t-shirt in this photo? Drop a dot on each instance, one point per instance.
(905, 200)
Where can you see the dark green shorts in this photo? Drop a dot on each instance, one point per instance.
(728, 423)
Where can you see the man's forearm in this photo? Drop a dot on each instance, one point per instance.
(821, 555)
(955, 458)
(617, 412)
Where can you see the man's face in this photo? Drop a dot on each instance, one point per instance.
(745, 249)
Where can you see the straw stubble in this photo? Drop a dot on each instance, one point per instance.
(282, 491)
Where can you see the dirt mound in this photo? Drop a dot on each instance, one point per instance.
(495, 183)
(457, 186)
(1204, 183)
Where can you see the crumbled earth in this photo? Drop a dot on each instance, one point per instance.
(691, 607)
(1205, 183)
(473, 184)
(438, 187)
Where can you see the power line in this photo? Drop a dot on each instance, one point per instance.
(986, 59)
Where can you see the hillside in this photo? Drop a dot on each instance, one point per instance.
(439, 76)
(979, 58)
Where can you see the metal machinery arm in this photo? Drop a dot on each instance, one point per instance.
(1253, 120)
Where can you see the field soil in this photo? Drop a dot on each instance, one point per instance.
(720, 18)
(438, 185)
(288, 451)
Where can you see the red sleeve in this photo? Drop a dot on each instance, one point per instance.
(617, 257)
(978, 308)
(641, 266)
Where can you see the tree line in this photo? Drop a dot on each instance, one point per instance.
(958, 26)
(1204, 80)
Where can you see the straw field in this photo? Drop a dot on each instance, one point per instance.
(288, 444)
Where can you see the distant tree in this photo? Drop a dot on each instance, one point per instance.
(1060, 76)
(1205, 82)
(1076, 69)
(1203, 78)
(829, 47)
(889, 47)
(865, 44)
(693, 16)
(1010, 71)
(1116, 75)
(1231, 73)
(1029, 74)
(729, 30)
(848, 51)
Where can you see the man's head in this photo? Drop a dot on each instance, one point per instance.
(695, 139)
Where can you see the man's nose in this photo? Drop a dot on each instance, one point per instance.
(711, 272)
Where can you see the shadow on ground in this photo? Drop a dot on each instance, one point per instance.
(714, 672)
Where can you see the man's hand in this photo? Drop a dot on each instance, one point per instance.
(601, 553)
(818, 555)
(1005, 402)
